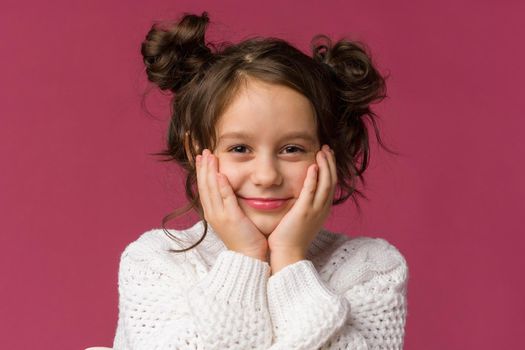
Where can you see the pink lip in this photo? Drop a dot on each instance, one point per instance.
(265, 203)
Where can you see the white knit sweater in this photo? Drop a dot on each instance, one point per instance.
(350, 293)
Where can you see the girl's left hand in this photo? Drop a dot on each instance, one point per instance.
(297, 229)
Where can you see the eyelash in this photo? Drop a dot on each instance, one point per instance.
(299, 149)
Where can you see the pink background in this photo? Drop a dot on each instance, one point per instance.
(77, 184)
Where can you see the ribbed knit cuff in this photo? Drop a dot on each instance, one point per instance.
(298, 282)
(237, 278)
(299, 299)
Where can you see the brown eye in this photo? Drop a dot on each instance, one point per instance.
(237, 149)
(294, 149)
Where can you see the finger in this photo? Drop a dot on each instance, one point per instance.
(307, 194)
(332, 164)
(333, 171)
(324, 185)
(201, 184)
(213, 186)
(228, 196)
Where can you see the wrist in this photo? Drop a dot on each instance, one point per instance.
(279, 260)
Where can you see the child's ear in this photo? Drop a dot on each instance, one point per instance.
(187, 141)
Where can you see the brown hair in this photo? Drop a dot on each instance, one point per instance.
(339, 79)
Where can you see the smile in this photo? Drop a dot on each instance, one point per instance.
(265, 204)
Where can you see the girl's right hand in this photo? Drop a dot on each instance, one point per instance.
(222, 211)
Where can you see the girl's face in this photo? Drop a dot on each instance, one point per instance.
(266, 139)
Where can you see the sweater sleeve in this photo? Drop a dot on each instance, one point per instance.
(160, 309)
(362, 305)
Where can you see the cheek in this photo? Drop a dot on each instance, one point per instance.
(231, 171)
(296, 176)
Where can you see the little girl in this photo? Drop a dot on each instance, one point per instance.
(270, 138)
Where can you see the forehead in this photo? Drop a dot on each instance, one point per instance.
(269, 111)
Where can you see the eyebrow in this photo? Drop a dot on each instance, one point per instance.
(292, 135)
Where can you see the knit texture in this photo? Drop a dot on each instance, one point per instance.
(349, 293)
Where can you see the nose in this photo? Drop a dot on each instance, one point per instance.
(265, 172)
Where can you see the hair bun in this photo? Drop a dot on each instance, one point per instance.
(358, 80)
(175, 53)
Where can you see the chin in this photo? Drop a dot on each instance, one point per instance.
(266, 224)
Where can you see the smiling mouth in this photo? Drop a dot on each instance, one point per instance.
(265, 203)
(269, 199)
